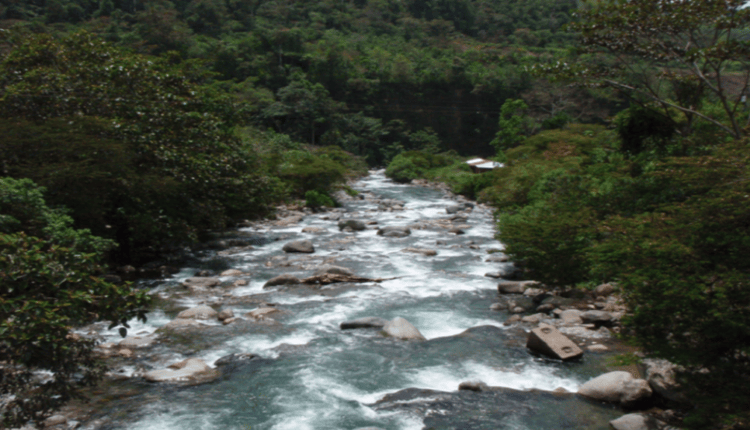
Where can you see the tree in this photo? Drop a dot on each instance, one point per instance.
(511, 125)
(666, 52)
(172, 140)
(301, 108)
(49, 284)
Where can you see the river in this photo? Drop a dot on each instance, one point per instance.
(311, 374)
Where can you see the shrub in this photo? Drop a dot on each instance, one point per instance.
(402, 169)
(49, 285)
(305, 171)
(315, 199)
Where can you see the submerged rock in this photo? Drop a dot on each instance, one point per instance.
(424, 251)
(262, 313)
(402, 329)
(394, 231)
(353, 224)
(234, 359)
(366, 322)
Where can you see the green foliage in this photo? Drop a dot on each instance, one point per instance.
(670, 55)
(402, 169)
(673, 237)
(315, 200)
(48, 285)
(414, 164)
(127, 141)
(640, 127)
(511, 124)
(306, 171)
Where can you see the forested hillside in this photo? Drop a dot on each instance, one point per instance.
(369, 76)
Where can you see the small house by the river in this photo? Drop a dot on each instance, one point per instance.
(480, 165)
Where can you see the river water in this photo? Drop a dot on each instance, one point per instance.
(313, 375)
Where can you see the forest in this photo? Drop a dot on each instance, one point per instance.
(133, 127)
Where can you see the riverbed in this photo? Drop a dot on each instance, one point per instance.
(308, 373)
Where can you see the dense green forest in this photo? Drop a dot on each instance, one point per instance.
(131, 127)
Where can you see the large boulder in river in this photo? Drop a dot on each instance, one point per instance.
(353, 224)
(402, 329)
(365, 322)
(617, 387)
(303, 246)
(394, 231)
(192, 369)
(285, 279)
(201, 312)
(547, 340)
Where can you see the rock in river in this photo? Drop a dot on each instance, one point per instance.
(354, 224)
(394, 231)
(192, 369)
(303, 246)
(616, 387)
(635, 422)
(335, 270)
(547, 340)
(402, 329)
(201, 282)
(202, 312)
(424, 251)
(285, 279)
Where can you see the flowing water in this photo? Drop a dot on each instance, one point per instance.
(313, 375)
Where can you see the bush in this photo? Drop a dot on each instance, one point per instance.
(48, 285)
(415, 164)
(315, 200)
(305, 171)
(402, 169)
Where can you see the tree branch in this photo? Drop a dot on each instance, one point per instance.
(676, 106)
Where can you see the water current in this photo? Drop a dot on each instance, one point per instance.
(313, 375)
